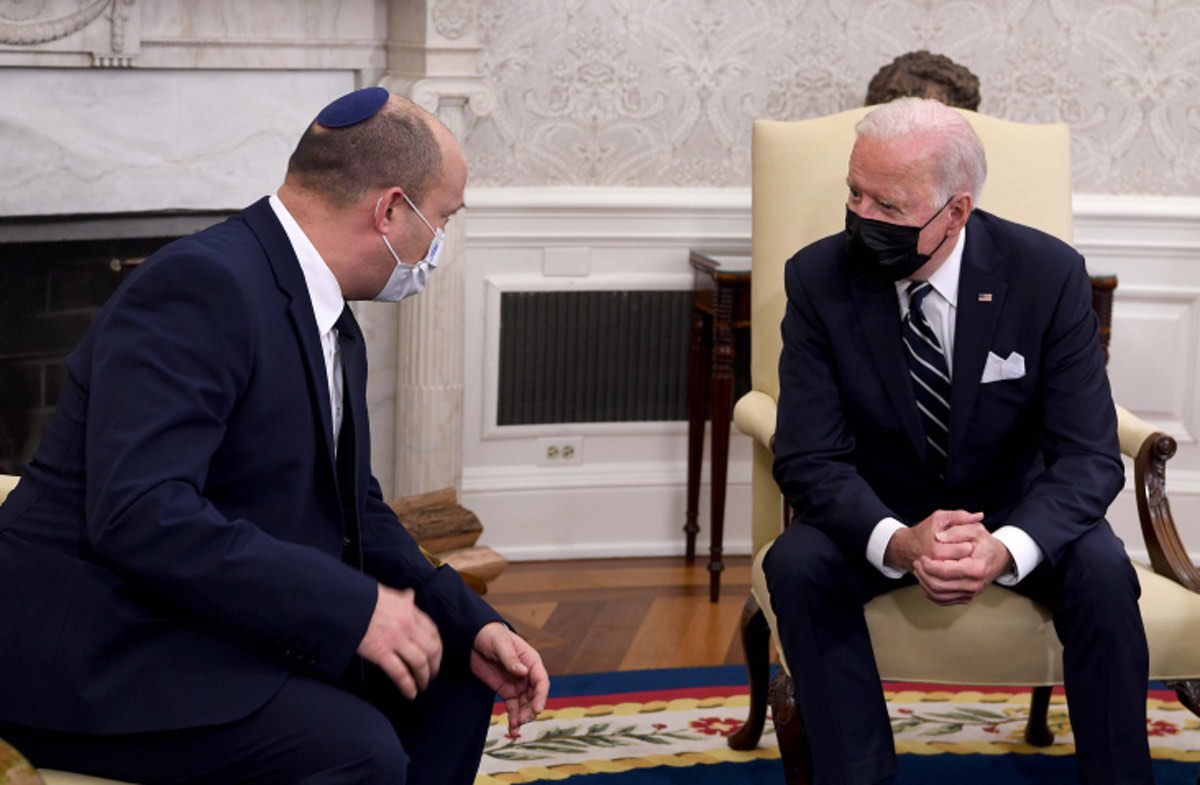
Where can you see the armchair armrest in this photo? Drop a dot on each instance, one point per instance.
(7, 483)
(754, 415)
(1150, 450)
(1133, 431)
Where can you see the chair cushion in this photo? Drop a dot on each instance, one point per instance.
(1003, 638)
(14, 769)
(7, 483)
(66, 778)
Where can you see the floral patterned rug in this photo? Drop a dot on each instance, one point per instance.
(670, 726)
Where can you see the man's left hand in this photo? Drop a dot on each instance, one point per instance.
(959, 581)
(505, 662)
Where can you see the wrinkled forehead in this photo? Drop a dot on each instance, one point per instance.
(893, 167)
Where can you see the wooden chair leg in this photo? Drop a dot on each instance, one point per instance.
(756, 638)
(1189, 694)
(794, 751)
(1037, 729)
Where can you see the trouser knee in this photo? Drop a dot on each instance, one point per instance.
(366, 753)
(802, 559)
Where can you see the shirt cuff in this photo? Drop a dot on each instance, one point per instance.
(881, 535)
(1026, 554)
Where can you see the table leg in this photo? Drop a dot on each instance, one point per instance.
(699, 364)
(722, 410)
(1102, 304)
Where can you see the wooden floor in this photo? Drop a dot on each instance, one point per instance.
(624, 614)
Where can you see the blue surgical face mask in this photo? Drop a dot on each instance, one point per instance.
(409, 279)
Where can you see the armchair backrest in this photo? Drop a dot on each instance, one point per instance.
(798, 195)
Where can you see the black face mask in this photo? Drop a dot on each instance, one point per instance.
(885, 250)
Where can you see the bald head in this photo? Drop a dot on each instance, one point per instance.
(401, 144)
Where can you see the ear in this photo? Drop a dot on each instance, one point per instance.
(385, 206)
(960, 210)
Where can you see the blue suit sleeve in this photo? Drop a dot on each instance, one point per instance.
(814, 447)
(393, 557)
(1083, 470)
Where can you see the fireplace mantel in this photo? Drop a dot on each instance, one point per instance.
(105, 226)
(152, 118)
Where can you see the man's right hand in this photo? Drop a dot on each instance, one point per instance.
(932, 539)
(403, 641)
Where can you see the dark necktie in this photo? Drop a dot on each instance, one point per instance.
(930, 375)
(353, 371)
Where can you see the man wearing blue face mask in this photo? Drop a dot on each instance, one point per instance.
(945, 420)
(207, 583)
(409, 279)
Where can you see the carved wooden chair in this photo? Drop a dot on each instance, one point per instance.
(799, 171)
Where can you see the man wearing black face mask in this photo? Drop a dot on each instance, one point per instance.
(945, 419)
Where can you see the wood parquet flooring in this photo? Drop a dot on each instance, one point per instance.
(624, 614)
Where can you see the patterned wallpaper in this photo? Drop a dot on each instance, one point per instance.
(662, 92)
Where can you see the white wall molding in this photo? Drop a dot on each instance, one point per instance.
(614, 475)
(627, 496)
(617, 217)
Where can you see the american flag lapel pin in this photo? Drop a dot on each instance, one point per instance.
(985, 297)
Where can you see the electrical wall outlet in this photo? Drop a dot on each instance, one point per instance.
(560, 451)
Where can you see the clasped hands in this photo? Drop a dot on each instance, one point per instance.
(404, 642)
(951, 554)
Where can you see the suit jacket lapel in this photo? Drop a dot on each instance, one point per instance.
(879, 312)
(980, 303)
(288, 276)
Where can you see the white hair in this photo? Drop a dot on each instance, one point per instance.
(959, 161)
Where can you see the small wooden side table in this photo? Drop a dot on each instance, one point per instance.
(721, 305)
(1102, 303)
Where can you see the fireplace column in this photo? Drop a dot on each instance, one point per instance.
(416, 390)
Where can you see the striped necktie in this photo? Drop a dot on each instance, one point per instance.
(930, 375)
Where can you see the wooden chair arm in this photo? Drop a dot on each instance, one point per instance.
(1150, 450)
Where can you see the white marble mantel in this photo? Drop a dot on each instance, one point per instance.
(135, 107)
(111, 106)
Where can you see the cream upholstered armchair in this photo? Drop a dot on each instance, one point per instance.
(798, 196)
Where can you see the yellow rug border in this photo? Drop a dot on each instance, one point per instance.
(628, 708)
(622, 765)
(560, 772)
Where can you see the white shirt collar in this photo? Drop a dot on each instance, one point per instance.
(323, 288)
(944, 279)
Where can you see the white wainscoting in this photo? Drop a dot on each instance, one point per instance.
(623, 495)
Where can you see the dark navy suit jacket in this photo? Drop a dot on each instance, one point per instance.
(175, 548)
(1039, 452)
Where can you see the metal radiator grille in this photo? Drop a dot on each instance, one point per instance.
(597, 356)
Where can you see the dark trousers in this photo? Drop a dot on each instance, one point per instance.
(818, 593)
(312, 732)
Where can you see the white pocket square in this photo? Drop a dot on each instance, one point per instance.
(998, 369)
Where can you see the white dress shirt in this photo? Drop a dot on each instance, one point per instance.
(940, 308)
(327, 303)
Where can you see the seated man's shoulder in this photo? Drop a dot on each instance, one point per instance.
(821, 259)
(1023, 239)
(217, 256)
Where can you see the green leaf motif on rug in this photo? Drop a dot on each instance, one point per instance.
(947, 723)
(568, 740)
